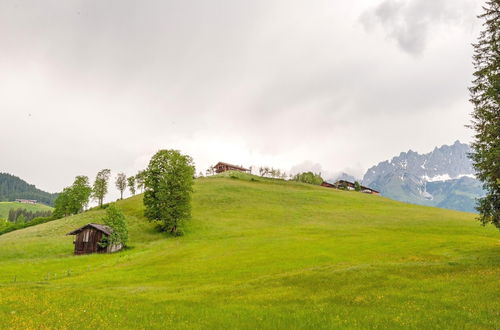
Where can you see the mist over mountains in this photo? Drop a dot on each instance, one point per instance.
(442, 178)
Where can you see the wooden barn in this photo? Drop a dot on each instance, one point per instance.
(88, 237)
(223, 167)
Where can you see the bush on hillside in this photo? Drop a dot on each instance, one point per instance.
(308, 177)
(116, 220)
(20, 225)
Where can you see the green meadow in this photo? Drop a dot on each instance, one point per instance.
(5, 207)
(261, 253)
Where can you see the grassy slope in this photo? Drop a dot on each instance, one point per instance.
(6, 206)
(262, 254)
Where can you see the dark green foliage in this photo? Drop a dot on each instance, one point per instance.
(115, 219)
(73, 199)
(22, 215)
(485, 96)
(168, 183)
(12, 188)
(357, 186)
(308, 177)
(100, 188)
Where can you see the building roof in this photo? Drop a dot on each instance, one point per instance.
(105, 229)
(231, 165)
(339, 182)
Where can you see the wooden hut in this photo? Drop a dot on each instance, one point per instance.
(223, 167)
(88, 238)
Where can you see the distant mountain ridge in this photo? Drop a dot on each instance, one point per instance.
(343, 176)
(13, 187)
(442, 178)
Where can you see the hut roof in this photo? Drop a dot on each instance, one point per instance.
(231, 165)
(105, 229)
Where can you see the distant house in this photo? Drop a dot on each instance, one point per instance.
(343, 184)
(223, 167)
(328, 185)
(27, 201)
(89, 236)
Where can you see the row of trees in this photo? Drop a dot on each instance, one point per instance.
(75, 198)
(22, 215)
(308, 177)
(271, 172)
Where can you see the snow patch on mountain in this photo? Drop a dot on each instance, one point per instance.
(427, 178)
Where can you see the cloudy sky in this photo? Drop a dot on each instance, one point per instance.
(324, 84)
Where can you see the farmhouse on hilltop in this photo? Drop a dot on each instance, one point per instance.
(343, 184)
(89, 236)
(223, 167)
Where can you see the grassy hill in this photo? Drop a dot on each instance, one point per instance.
(262, 254)
(6, 206)
(13, 187)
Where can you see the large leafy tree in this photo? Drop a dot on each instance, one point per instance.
(121, 183)
(100, 188)
(485, 96)
(73, 199)
(168, 186)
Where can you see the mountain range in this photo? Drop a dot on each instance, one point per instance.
(441, 178)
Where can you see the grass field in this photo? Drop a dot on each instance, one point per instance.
(6, 206)
(261, 254)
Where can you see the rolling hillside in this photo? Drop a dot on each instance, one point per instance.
(13, 187)
(261, 254)
(6, 206)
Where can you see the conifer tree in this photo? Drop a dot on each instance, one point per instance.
(485, 97)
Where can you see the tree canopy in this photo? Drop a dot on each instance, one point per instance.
(308, 177)
(131, 184)
(116, 220)
(168, 186)
(485, 97)
(100, 188)
(121, 183)
(74, 198)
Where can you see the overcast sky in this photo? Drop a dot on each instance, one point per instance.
(322, 84)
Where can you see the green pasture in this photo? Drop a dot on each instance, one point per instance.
(5, 207)
(261, 253)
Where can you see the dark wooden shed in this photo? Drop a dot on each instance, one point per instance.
(88, 237)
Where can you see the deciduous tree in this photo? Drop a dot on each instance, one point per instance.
(168, 186)
(73, 199)
(121, 183)
(100, 188)
(131, 184)
(116, 220)
(139, 180)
